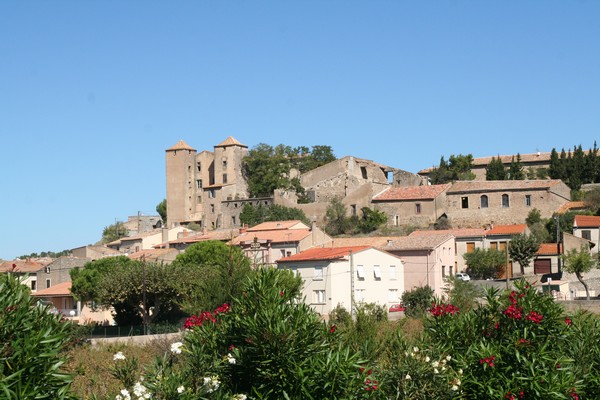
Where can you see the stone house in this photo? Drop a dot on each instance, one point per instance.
(25, 270)
(186, 239)
(158, 256)
(94, 252)
(588, 227)
(59, 271)
(477, 203)
(146, 240)
(414, 205)
(329, 274)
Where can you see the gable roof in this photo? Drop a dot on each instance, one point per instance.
(540, 157)
(61, 289)
(272, 225)
(151, 254)
(492, 186)
(324, 253)
(371, 241)
(181, 145)
(586, 221)
(273, 236)
(406, 193)
(222, 234)
(20, 266)
(418, 242)
(548, 249)
(458, 233)
(572, 205)
(507, 229)
(230, 141)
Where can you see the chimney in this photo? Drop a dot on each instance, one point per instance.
(165, 234)
(243, 228)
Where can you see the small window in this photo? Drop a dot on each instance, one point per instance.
(211, 194)
(470, 247)
(528, 200)
(484, 201)
(443, 271)
(418, 208)
(282, 252)
(199, 199)
(199, 183)
(359, 295)
(224, 178)
(363, 171)
(47, 270)
(396, 220)
(319, 296)
(353, 209)
(360, 272)
(464, 201)
(199, 166)
(392, 295)
(33, 285)
(451, 270)
(288, 253)
(47, 283)
(318, 274)
(377, 272)
(586, 234)
(212, 208)
(233, 221)
(392, 272)
(224, 162)
(505, 201)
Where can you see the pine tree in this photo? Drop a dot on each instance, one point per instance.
(495, 170)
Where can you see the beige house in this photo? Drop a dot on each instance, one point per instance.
(412, 205)
(186, 239)
(329, 274)
(146, 240)
(477, 203)
(588, 227)
(25, 270)
(427, 260)
(160, 256)
(268, 242)
(94, 252)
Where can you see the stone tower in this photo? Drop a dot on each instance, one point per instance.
(180, 162)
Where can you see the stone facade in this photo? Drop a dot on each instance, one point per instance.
(59, 271)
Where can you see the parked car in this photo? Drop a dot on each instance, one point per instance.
(463, 276)
(397, 307)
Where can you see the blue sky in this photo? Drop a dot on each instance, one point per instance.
(92, 93)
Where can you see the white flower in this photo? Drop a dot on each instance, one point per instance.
(443, 368)
(460, 371)
(119, 356)
(147, 395)
(458, 382)
(435, 364)
(454, 387)
(139, 389)
(435, 371)
(427, 359)
(176, 347)
(408, 378)
(239, 397)
(448, 358)
(415, 349)
(180, 389)
(119, 397)
(212, 383)
(126, 395)
(230, 359)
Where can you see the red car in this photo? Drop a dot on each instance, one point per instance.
(397, 307)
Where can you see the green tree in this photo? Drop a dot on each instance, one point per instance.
(579, 262)
(565, 224)
(161, 209)
(254, 215)
(460, 166)
(214, 273)
(592, 200)
(371, 220)
(522, 249)
(113, 232)
(463, 294)
(266, 169)
(515, 170)
(495, 170)
(417, 301)
(336, 222)
(485, 264)
(85, 281)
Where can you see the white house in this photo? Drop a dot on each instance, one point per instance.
(329, 274)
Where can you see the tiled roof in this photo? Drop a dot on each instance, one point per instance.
(274, 236)
(507, 229)
(324, 253)
(151, 254)
(586, 221)
(411, 193)
(141, 235)
(571, 205)
(490, 186)
(371, 241)
(548, 249)
(20, 266)
(459, 232)
(484, 161)
(273, 225)
(61, 289)
(181, 145)
(221, 234)
(230, 141)
(425, 242)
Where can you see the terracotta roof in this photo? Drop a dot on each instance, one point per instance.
(61, 289)
(222, 235)
(274, 236)
(484, 161)
(151, 254)
(429, 192)
(372, 241)
(141, 235)
(277, 225)
(490, 186)
(230, 141)
(572, 205)
(548, 249)
(507, 229)
(424, 242)
(324, 253)
(20, 266)
(459, 232)
(586, 221)
(181, 145)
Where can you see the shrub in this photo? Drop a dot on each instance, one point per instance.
(417, 301)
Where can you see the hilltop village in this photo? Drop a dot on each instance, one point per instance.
(428, 228)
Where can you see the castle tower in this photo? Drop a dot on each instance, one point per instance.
(180, 163)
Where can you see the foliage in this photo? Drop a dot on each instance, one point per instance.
(31, 339)
(336, 222)
(442, 223)
(579, 262)
(113, 232)
(485, 263)
(576, 167)
(458, 168)
(515, 170)
(267, 168)
(565, 224)
(161, 209)
(85, 281)
(417, 301)
(533, 217)
(495, 170)
(463, 294)
(214, 273)
(371, 220)
(50, 254)
(254, 215)
(522, 249)
(592, 200)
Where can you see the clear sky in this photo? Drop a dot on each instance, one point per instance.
(92, 93)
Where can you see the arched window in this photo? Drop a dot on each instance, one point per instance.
(505, 201)
(484, 201)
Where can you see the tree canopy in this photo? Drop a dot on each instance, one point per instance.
(575, 167)
(579, 262)
(254, 215)
(161, 209)
(484, 263)
(522, 249)
(113, 232)
(458, 168)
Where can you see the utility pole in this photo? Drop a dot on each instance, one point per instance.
(557, 219)
(145, 314)
(506, 267)
(351, 285)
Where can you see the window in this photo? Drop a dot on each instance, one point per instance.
(211, 194)
(392, 295)
(464, 201)
(353, 209)
(363, 171)
(319, 296)
(494, 245)
(451, 272)
(396, 220)
(288, 253)
(470, 247)
(47, 270)
(199, 166)
(212, 208)
(199, 199)
(224, 162)
(282, 252)
(360, 272)
(359, 295)
(392, 272)
(377, 272)
(224, 178)
(199, 183)
(586, 234)
(505, 201)
(443, 271)
(233, 220)
(47, 283)
(33, 285)
(484, 201)
(528, 200)
(318, 274)
(418, 208)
